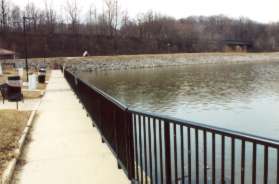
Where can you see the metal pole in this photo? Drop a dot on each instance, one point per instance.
(25, 45)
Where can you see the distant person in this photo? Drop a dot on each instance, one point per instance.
(85, 54)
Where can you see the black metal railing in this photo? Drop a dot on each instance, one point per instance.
(152, 148)
(111, 118)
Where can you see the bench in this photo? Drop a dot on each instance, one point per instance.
(4, 91)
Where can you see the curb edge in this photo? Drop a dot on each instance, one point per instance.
(9, 171)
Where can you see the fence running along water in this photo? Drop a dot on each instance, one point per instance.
(152, 148)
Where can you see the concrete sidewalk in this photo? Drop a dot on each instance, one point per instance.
(64, 147)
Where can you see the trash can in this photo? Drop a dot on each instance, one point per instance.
(56, 66)
(14, 88)
(42, 75)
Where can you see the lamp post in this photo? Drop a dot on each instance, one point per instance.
(25, 44)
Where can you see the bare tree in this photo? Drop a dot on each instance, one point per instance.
(4, 14)
(73, 10)
(111, 31)
(49, 16)
(15, 18)
(91, 19)
(111, 13)
(32, 11)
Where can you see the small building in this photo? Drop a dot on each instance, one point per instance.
(237, 46)
(7, 59)
(7, 54)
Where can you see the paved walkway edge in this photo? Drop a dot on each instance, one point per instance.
(9, 171)
(65, 149)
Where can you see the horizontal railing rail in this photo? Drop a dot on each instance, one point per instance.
(153, 148)
(170, 150)
(230, 133)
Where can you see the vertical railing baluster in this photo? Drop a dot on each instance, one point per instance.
(102, 118)
(233, 160)
(265, 164)
(175, 152)
(150, 151)
(254, 164)
(242, 162)
(145, 149)
(213, 159)
(130, 147)
(167, 152)
(136, 146)
(115, 138)
(205, 156)
(223, 160)
(189, 156)
(182, 153)
(197, 155)
(140, 149)
(155, 149)
(161, 152)
(277, 165)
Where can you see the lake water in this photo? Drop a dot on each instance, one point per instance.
(242, 97)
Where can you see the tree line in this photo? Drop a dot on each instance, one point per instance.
(112, 31)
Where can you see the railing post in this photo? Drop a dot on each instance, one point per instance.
(116, 137)
(131, 148)
(167, 152)
(101, 117)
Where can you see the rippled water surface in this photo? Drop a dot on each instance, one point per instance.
(243, 97)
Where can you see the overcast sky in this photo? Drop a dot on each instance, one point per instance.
(260, 10)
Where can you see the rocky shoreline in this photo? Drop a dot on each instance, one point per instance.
(152, 61)
(125, 62)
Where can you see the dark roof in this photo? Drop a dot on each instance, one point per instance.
(5, 52)
(238, 42)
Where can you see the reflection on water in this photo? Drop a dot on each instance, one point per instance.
(243, 97)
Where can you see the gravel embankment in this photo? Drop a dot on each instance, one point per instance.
(122, 62)
(148, 61)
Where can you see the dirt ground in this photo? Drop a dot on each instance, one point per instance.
(2, 79)
(12, 123)
(26, 94)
